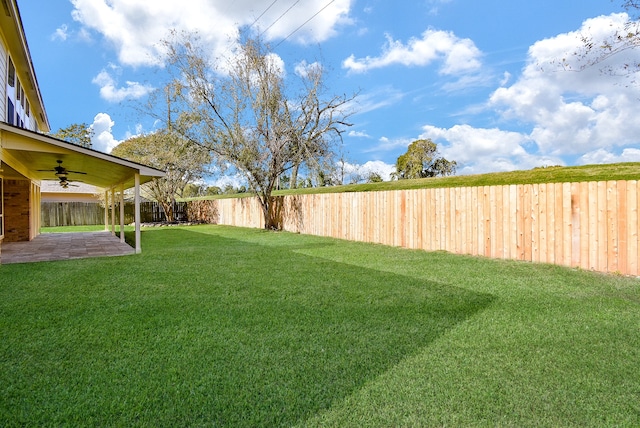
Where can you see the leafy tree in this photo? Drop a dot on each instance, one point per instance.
(374, 177)
(192, 190)
(253, 116)
(230, 190)
(285, 182)
(181, 161)
(79, 134)
(213, 190)
(421, 160)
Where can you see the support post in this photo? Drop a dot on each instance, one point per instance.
(106, 210)
(122, 213)
(113, 211)
(137, 212)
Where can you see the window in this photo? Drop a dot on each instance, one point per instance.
(11, 94)
(17, 103)
(12, 74)
(11, 111)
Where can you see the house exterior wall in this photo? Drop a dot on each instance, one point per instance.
(18, 205)
(77, 192)
(3, 80)
(21, 197)
(70, 197)
(20, 91)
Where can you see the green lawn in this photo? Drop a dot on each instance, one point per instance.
(219, 326)
(63, 229)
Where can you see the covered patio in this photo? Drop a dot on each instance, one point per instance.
(29, 157)
(65, 246)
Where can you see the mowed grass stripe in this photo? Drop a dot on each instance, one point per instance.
(208, 329)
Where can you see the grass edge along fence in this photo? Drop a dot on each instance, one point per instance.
(590, 225)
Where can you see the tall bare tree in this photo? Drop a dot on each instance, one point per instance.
(251, 115)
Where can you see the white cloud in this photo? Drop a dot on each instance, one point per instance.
(573, 112)
(604, 156)
(435, 8)
(135, 27)
(506, 77)
(384, 169)
(468, 81)
(355, 173)
(103, 140)
(457, 55)
(110, 92)
(302, 68)
(61, 33)
(478, 150)
(379, 98)
(565, 111)
(358, 134)
(235, 181)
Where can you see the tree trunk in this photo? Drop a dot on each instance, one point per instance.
(167, 207)
(293, 184)
(271, 209)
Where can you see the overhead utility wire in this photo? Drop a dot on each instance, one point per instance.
(262, 14)
(280, 17)
(254, 23)
(304, 23)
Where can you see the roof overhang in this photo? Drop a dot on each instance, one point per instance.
(34, 156)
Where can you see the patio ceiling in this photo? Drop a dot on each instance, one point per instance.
(34, 156)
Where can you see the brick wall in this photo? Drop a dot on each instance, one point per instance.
(16, 210)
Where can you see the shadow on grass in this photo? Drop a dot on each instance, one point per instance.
(206, 330)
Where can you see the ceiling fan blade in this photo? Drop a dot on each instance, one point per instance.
(61, 171)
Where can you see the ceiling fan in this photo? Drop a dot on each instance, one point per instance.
(63, 173)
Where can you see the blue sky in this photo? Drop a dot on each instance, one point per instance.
(478, 78)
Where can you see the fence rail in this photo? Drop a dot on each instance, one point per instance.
(591, 225)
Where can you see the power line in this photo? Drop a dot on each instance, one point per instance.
(256, 20)
(304, 23)
(262, 14)
(283, 14)
(280, 17)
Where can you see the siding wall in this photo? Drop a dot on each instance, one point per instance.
(591, 225)
(3, 81)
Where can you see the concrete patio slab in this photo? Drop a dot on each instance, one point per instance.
(64, 246)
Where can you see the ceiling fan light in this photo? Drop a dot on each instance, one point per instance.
(61, 175)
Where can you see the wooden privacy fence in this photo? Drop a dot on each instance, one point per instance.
(152, 212)
(591, 225)
(71, 213)
(91, 213)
